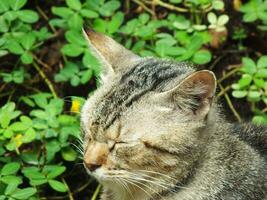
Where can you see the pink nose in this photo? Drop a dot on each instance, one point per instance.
(96, 155)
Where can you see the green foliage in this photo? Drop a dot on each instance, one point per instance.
(254, 10)
(252, 83)
(44, 57)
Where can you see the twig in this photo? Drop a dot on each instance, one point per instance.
(41, 62)
(3, 87)
(228, 100)
(225, 90)
(46, 18)
(11, 95)
(4, 94)
(31, 88)
(69, 192)
(170, 6)
(97, 190)
(73, 193)
(47, 81)
(140, 3)
(216, 62)
(230, 73)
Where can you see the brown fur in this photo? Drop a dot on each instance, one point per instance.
(154, 131)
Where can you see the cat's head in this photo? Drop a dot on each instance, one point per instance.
(146, 119)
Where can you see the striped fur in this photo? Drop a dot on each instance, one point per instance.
(153, 131)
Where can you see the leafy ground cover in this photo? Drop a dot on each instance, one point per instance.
(47, 73)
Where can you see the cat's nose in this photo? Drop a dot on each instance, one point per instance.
(92, 167)
(96, 155)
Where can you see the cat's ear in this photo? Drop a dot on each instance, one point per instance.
(195, 93)
(111, 54)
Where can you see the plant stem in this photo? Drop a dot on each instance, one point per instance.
(140, 3)
(230, 73)
(97, 190)
(170, 6)
(225, 90)
(47, 81)
(42, 13)
(69, 192)
(228, 100)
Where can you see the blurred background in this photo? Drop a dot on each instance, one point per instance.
(47, 72)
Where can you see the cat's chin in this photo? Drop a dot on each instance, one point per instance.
(101, 176)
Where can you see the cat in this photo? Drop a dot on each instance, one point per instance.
(154, 131)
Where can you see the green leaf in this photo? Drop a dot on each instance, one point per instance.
(262, 62)
(212, 18)
(28, 41)
(27, 101)
(218, 4)
(223, 19)
(115, 23)
(109, 8)
(75, 81)
(14, 47)
(195, 44)
(58, 186)
(86, 76)
(4, 119)
(245, 80)
(28, 16)
(52, 147)
(41, 99)
(72, 50)
(4, 6)
(249, 65)
(17, 4)
(29, 135)
(26, 57)
(260, 119)
(11, 187)
(259, 82)
(8, 133)
(3, 25)
(175, 1)
(10, 168)
(62, 12)
(24, 193)
(55, 171)
(254, 95)
(239, 93)
(11, 179)
(89, 13)
(18, 126)
(75, 37)
(26, 120)
(10, 15)
(33, 173)
(75, 22)
(202, 57)
(262, 73)
(74, 4)
(69, 154)
(100, 25)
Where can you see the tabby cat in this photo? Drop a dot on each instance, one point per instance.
(153, 131)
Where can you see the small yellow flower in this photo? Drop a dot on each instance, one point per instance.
(18, 140)
(75, 106)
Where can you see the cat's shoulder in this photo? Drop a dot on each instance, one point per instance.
(254, 135)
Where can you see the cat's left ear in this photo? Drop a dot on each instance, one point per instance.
(195, 93)
(111, 54)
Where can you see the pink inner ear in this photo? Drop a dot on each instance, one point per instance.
(203, 79)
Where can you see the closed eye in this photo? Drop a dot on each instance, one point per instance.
(114, 143)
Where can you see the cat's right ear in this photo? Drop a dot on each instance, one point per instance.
(194, 94)
(111, 54)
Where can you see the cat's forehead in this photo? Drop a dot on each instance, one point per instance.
(148, 75)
